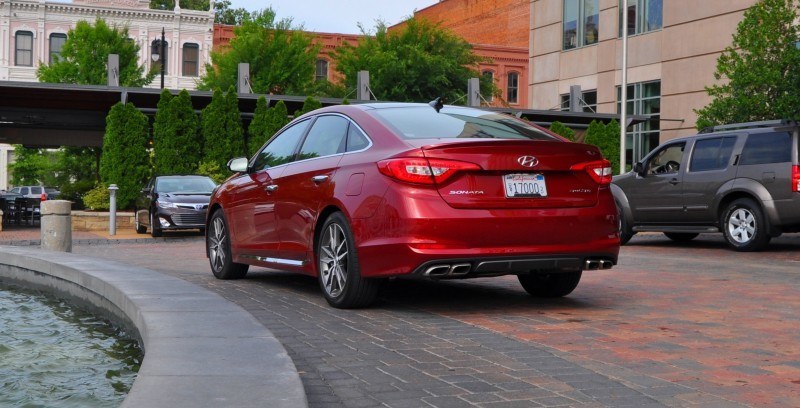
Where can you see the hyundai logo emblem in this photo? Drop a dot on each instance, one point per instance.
(528, 161)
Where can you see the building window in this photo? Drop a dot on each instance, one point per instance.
(191, 58)
(24, 50)
(512, 88)
(643, 99)
(322, 70)
(57, 41)
(588, 101)
(157, 58)
(489, 75)
(643, 15)
(581, 23)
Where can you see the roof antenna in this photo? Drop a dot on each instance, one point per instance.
(437, 104)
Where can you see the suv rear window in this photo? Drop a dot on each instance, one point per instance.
(763, 148)
(425, 123)
(712, 154)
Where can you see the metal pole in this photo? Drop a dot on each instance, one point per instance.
(161, 57)
(623, 106)
(112, 212)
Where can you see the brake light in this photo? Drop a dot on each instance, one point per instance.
(423, 171)
(599, 170)
(796, 179)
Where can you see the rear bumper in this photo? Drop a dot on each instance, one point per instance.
(421, 230)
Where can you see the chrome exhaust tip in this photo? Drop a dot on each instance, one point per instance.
(604, 264)
(591, 265)
(460, 269)
(437, 271)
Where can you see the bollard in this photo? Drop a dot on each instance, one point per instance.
(56, 223)
(112, 210)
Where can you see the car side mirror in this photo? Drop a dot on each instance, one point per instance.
(238, 165)
(638, 168)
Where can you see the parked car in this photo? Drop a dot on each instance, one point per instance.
(742, 180)
(355, 193)
(29, 191)
(173, 203)
(52, 193)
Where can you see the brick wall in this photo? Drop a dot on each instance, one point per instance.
(497, 22)
(98, 221)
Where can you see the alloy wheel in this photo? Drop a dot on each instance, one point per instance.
(742, 225)
(333, 260)
(216, 244)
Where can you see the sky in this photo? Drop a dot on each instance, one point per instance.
(338, 16)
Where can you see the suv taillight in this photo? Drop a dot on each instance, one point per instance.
(599, 170)
(423, 171)
(796, 179)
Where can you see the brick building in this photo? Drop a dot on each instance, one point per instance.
(673, 47)
(498, 30)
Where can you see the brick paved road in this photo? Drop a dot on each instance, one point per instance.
(673, 325)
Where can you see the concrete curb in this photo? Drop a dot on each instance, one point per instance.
(200, 349)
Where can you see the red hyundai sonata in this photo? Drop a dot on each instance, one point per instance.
(353, 194)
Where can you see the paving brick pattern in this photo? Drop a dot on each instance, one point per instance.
(673, 325)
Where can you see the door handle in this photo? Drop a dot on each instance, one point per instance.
(270, 188)
(319, 179)
(674, 181)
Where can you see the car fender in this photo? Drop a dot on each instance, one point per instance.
(622, 202)
(745, 187)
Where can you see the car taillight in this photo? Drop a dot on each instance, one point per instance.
(423, 171)
(796, 179)
(599, 170)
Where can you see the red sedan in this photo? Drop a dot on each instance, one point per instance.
(352, 194)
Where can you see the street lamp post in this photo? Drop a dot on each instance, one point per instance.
(159, 56)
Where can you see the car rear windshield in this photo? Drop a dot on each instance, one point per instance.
(425, 123)
(185, 185)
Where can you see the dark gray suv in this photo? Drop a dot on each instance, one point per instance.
(742, 180)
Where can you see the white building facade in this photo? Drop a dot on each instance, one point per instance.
(32, 31)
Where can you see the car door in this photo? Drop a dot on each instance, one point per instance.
(307, 185)
(709, 168)
(252, 210)
(143, 203)
(655, 195)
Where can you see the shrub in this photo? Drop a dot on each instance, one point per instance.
(98, 198)
(212, 169)
(125, 160)
(561, 129)
(606, 137)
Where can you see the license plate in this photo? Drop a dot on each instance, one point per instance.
(524, 185)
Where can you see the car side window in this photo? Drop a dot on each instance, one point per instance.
(667, 160)
(356, 140)
(281, 149)
(712, 154)
(763, 148)
(24, 191)
(326, 137)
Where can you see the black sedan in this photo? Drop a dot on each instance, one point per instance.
(173, 203)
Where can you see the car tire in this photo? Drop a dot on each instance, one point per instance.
(625, 233)
(744, 226)
(338, 268)
(550, 285)
(681, 236)
(218, 249)
(155, 229)
(140, 229)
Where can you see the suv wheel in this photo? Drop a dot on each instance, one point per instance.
(744, 226)
(625, 233)
(681, 236)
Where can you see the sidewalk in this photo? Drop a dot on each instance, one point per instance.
(24, 236)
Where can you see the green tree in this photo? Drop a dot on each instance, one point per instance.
(266, 122)
(605, 137)
(759, 73)
(125, 160)
(77, 170)
(223, 138)
(177, 145)
(32, 166)
(310, 104)
(417, 63)
(84, 56)
(224, 14)
(281, 57)
(562, 130)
